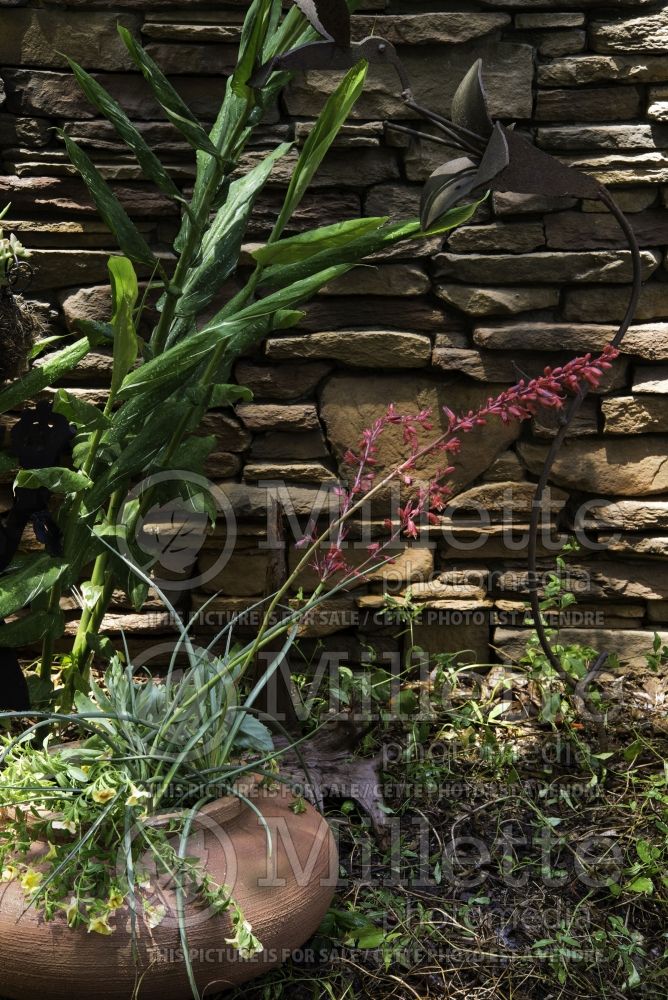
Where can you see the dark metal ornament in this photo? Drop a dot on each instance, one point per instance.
(330, 56)
(330, 18)
(38, 439)
(40, 436)
(495, 158)
(14, 695)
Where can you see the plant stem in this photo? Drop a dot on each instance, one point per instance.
(71, 515)
(91, 618)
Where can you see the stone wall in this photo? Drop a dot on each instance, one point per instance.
(528, 283)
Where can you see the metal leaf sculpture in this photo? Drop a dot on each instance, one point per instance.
(38, 439)
(331, 19)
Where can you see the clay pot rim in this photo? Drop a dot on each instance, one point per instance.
(218, 811)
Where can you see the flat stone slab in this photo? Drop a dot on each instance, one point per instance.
(351, 403)
(39, 37)
(636, 414)
(649, 342)
(615, 467)
(574, 71)
(478, 300)
(628, 515)
(435, 73)
(359, 348)
(551, 267)
(653, 380)
(648, 33)
(452, 28)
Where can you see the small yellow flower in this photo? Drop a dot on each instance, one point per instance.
(31, 880)
(116, 899)
(136, 795)
(103, 795)
(52, 852)
(154, 915)
(100, 925)
(72, 912)
(9, 873)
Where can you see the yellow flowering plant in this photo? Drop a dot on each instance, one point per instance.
(77, 800)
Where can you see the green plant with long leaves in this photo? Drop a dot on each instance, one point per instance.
(162, 387)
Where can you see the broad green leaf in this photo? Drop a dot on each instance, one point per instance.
(228, 395)
(31, 628)
(58, 480)
(102, 645)
(254, 734)
(371, 938)
(174, 107)
(124, 292)
(321, 137)
(130, 240)
(647, 852)
(192, 454)
(295, 293)
(26, 579)
(253, 36)
(450, 220)
(231, 114)
(222, 243)
(282, 276)
(113, 112)
(294, 30)
(140, 454)
(78, 411)
(170, 369)
(306, 245)
(126, 419)
(642, 885)
(50, 371)
(94, 330)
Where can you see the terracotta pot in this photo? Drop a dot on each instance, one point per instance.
(284, 897)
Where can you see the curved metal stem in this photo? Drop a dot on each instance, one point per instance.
(462, 137)
(565, 423)
(416, 134)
